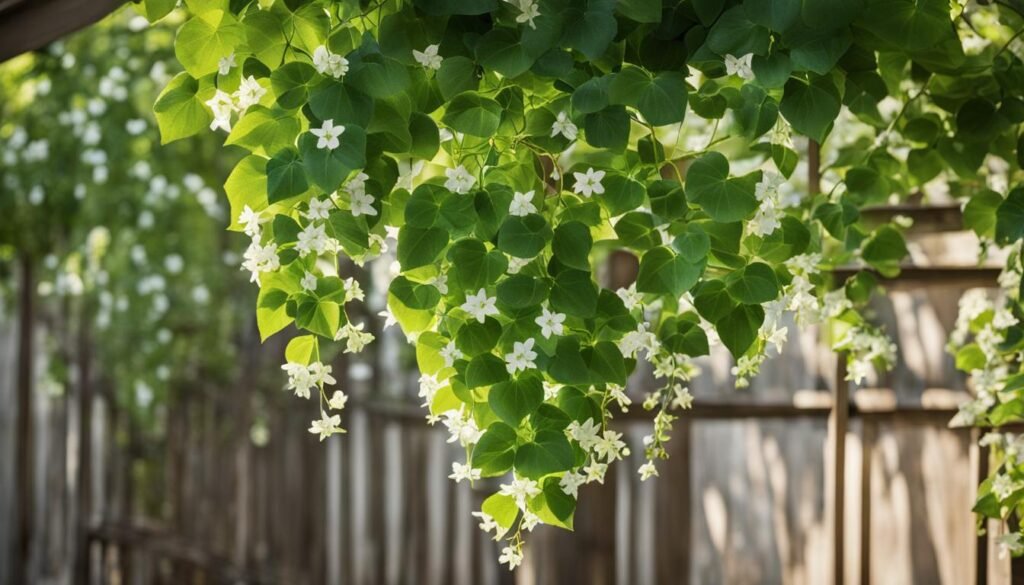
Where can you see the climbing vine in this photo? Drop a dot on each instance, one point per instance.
(501, 151)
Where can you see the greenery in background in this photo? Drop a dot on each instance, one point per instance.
(125, 236)
(500, 150)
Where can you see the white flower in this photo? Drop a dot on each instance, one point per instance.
(681, 397)
(320, 374)
(311, 239)
(522, 204)
(408, 170)
(768, 186)
(326, 426)
(461, 471)
(224, 64)
(480, 305)
(299, 379)
(528, 10)
(251, 220)
(338, 400)
(259, 259)
(517, 264)
(767, 219)
(610, 446)
(459, 180)
(647, 471)
(353, 292)
(571, 482)
(356, 338)
(328, 135)
(318, 209)
(428, 57)
(522, 356)
(429, 386)
(389, 318)
(450, 353)
(308, 282)
(441, 283)
(740, 66)
(222, 107)
(778, 338)
(550, 323)
(1003, 486)
(362, 204)
(1010, 544)
(564, 126)
(530, 521)
(595, 471)
(249, 93)
(640, 339)
(588, 183)
(585, 434)
(520, 489)
(630, 298)
(488, 524)
(551, 390)
(327, 63)
(618, 393)
(510, 556)
(461, 428)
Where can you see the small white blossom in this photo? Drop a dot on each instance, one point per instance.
(480, 305)
(521, 489)
(328, 63)
(318, 209)
(362, 204)
(586, 434)
(647, 471)
(510, 556)
(326, 426)
(328, 135)
(308, 282)
(564, 126)
(740, 66)
(522, 204)
(571, 482)
(249, 93)
(450, 353)
(338, 400)
(522, 356)
(588, 183)
(225, 64)
(428, 57)
(461, 471)
(312, 239)
(459, 180)
(550, 323)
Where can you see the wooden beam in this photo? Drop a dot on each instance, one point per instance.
(27, 25)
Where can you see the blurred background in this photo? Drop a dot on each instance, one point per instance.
(145, 436)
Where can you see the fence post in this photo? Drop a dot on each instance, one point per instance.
(23, 433)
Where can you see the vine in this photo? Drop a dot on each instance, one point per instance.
(500, 152)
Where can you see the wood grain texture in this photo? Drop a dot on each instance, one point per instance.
(28, 25)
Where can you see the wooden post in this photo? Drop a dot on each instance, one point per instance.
(869, 429)
(23, 432)
(981, 551)
(838, 421)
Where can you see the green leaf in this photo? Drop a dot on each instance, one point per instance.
(205, 38)
(514, 400)
(811, 107)
(574, 293)
(473, 114)
(723, 198)
(660, 99)
(608, 128)
(980, 212)
(291, 84)
(180, 111)
(738, 328)
(318, 316)
(553, 506)
(414, 295)
(333, 100)
(329, 168)
(621, 194)
(263, 131)
(1010, 218)
(664, 272)
(571, 245)
(684, 335)
(271, 311)
(420, 246)
(500, 50)
(884, 250)
(286, 176)
(495, 452)
(300, 349)
(472, 266)
(524, 236)
(378, 76)
(456, 75)
(756, 283)
(520, 291)
(475, 338)
(501, 508)
(549, 452)
(484, 370)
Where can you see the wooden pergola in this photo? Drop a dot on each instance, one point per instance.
(27, 25)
